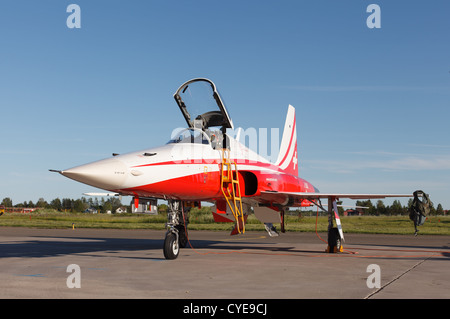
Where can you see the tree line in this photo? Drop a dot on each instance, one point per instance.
(395, 209)
(366, 207)
(112, 203)
(69, 205)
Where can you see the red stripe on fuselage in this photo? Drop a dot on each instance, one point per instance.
(269, 166)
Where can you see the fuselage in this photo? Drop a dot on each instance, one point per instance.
(186, 168)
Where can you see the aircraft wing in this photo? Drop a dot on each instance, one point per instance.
(298, 197)
(305, 195)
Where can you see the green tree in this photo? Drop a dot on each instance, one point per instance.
(41, 203)
(410, 202)
(381, 208)
(439, 210)
(56, 204)
(7, 202)
(67, 204)
(107, 207)
(396, 208)
(162, 209)
(432, 209)
(79, 206)
(115, 203)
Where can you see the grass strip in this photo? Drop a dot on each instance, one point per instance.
(398, 225)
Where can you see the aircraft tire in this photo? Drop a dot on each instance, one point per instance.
(171, 246)
(182, 234)
(334, 240)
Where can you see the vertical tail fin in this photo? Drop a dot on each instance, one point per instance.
(287, 158)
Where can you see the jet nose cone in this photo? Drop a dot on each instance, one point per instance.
(107, 174)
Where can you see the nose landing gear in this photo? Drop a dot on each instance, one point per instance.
(176, 235)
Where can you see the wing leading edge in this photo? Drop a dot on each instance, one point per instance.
(312, 196)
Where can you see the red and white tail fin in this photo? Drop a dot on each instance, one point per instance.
(287, 158)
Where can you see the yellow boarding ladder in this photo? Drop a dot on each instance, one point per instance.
(229, 181)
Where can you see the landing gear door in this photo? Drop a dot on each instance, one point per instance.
(201, 105)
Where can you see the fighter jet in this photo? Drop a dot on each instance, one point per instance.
(204, 163)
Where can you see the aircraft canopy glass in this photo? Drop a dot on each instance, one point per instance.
(201, 105)
(188, 136)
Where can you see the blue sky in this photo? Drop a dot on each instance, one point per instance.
(372, 105)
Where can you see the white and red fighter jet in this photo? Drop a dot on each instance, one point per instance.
(204, 163)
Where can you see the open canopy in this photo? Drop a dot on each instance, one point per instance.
(201, 105)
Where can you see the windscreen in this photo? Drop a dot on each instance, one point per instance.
(190, 136)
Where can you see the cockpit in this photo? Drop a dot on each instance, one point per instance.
(190, 136)
(203, 109)
(197, 136)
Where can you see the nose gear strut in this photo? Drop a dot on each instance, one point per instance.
(176, 236)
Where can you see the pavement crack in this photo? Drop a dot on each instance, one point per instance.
(396, 278)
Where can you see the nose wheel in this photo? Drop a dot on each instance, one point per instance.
(171, 245)
(176, 235)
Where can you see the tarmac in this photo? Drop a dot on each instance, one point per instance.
(36, 264)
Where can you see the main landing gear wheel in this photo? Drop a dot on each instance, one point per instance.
(334, 241)
(171, 246)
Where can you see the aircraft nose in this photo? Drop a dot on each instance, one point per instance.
(107, 174)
